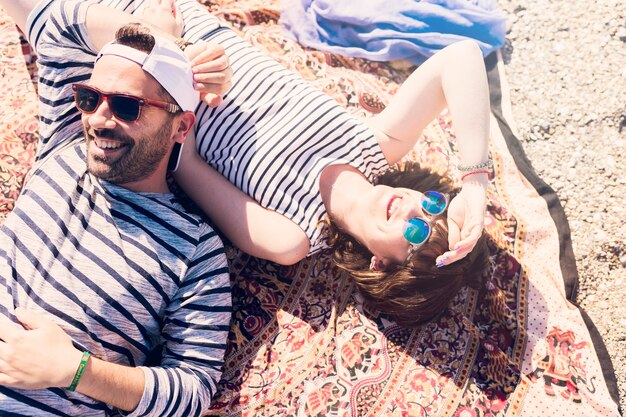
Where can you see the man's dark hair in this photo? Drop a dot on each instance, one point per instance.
(138, 36)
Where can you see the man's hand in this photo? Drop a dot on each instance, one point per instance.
(466, 219)
(212, 71)
(36, 356)
(163, 14)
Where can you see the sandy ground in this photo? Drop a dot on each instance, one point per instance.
(566, 67)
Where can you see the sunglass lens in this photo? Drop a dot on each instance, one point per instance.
(87, 100)
(416, 230)
(124, 108)
(433, 203)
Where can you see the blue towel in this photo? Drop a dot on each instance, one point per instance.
(384, 30)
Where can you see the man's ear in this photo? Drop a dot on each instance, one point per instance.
(185, 122)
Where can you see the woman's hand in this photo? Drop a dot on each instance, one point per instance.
(211, 68)
(212, 71)
(466, 218)
(210, 65)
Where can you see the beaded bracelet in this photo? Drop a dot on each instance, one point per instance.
(485, 165)
(478, 171)
(79, 372)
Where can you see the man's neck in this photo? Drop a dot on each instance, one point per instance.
(147, 185)
(155, 182)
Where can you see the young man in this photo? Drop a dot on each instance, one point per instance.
(100, 265)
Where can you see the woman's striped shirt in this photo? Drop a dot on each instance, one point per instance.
(275, 133)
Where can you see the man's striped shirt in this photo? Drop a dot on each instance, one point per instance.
(123, 273)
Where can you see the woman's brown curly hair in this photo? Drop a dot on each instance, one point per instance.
(419, 291)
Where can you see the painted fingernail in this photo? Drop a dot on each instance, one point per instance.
(439, 264)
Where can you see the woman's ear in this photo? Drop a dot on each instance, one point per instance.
(377, 264)
(185, 123)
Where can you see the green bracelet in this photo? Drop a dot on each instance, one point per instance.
(79, 372)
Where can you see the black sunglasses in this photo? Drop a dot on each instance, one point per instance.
(123, 106)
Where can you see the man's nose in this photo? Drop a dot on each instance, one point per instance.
(102, 118)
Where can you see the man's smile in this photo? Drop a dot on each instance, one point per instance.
(107, 144)
(101, 147)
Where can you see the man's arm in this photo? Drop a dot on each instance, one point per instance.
(117, 385)
(19, 10)
(59, 32)
(194, 334)
(39, 354)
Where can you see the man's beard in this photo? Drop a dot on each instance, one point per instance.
(141, 158)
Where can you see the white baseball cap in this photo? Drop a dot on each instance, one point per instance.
(167, 63)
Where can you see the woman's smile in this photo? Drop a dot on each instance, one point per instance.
(393, 205)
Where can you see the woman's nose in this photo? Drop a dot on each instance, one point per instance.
(410, 208)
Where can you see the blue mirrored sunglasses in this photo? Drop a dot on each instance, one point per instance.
(417, 230)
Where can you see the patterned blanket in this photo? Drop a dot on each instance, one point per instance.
(303, 343)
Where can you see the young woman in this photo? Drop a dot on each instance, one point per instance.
(309, 175)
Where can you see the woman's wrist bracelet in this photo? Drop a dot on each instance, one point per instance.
(471, 168)
(478, 171)
(79, 371)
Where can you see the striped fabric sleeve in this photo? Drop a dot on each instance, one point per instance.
(69, 18)
(194, 337)
(57, 31)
